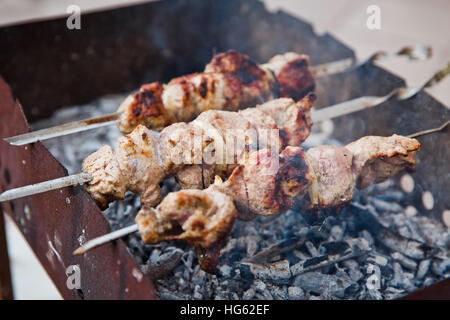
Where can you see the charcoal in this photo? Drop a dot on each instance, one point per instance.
(198, 277)
(334, 247)
(278, 272)
(404, 261)
(428, 281)
(313, 261)
(296, 293)
(407, 228)
(336, 233)
(397, 280)
(378, 259)
(279, 293)
(374, 294)
(259, 286)
(423, 268)
(252, 245)
(440, 267)
(249, 294)
(264, 296)
(359, 244)
(410, 248)
(300, 255)
(154, 256)
(353, 270)
(221, 296)
(393, 293)
(181, 282)
(385, 206)
(408, 281)
(368, 236)
(160, 265)
(311, 248)
(319, 283)
(187, 259)
(392, 196)
(225, 271)
(166, 295)
(233, 296)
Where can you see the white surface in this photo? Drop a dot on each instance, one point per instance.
(30, 281)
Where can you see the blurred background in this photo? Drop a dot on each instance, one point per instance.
(403, 22)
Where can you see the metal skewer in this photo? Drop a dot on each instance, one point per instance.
(366, 102)
(417, 52)
(91, 244)
(134, 227)
(45, 186)
(64, 129)
(316, 115)
(424, 132)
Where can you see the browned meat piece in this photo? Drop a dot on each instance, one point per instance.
(145, 107)
(267, 182)
(231, 81)
(292, 72)
(134, 166)
(257, 82)
(333, 183)
(194, 152)
(201, 218)
(377, 158)
(108, 182)
(288, 115)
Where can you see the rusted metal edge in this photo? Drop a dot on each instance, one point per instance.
(54, 223)
(437, 291)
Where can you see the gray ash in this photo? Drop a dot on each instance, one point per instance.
(373, 249)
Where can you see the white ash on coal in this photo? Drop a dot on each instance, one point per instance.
(373, 249)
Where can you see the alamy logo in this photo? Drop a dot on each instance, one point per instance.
(374, 280)
(374, 20)
(73, 274)
(74, 20)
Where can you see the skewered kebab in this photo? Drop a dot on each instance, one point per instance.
(330, 112)
(323, 177)
(193, 152)
(230, 81)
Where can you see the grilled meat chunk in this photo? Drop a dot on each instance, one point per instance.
(333, 183)
(231, 81)
(267, 182)
(202, 218)
(134, 166)
(292, 72)
(377, 158)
